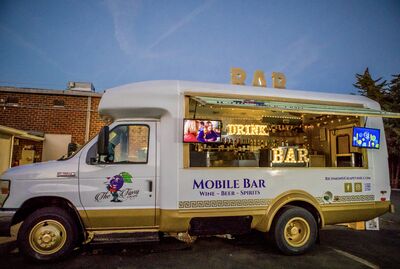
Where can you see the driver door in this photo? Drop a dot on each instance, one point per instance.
(121, 192)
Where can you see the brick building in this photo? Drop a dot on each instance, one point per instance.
(41, 120)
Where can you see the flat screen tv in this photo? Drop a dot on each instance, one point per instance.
(366, 138)
(201, 131)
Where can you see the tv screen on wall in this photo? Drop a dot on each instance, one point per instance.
(201, 131)
(366, 138)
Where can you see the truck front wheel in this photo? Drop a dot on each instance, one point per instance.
(48, 234)
(295, 230)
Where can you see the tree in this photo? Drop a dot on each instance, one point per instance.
(369, 87)
(388, 96)
(392, 129)
(394, 93)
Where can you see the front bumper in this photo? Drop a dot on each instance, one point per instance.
(6, 216)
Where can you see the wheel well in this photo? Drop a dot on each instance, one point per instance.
(307, 206)
(31, 205)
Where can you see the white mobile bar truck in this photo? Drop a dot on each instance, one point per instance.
(198, 159)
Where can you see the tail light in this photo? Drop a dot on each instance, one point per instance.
(4, 191)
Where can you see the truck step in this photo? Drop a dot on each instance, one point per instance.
(134, 237)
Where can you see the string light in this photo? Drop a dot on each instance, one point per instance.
(283, 117)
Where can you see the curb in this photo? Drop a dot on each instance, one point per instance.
(9, 243)
(6, 248)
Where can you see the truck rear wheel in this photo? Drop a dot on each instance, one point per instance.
(295, 231)
(48, 234)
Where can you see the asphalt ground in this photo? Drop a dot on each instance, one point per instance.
(339, 247)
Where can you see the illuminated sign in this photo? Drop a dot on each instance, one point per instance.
(238, 77)
(289, 155)
(249, 129)
(256, 129)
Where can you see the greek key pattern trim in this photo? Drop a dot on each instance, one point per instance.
(224, 203)
(354, 198)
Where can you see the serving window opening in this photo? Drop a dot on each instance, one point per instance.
(234, 136)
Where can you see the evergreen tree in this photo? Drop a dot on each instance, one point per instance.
(374, 89)
(394, 93)
(393, 125)
(392, 128)
(388, 96)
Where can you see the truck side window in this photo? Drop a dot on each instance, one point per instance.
(129, 144)
(255, 137)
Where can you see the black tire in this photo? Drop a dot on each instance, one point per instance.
(296, 239)
(48, 234)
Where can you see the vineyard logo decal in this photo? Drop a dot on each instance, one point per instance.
(115, 192)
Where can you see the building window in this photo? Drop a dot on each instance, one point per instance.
(12, 101)
(58, 103)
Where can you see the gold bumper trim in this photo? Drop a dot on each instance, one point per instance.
(352, 212)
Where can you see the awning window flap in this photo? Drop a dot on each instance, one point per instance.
(19, 133)
(296, 107)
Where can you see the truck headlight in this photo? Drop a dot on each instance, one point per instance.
(4, 190)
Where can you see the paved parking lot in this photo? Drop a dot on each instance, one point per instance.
(339, 247)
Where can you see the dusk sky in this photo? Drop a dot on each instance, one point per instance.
(319, 45)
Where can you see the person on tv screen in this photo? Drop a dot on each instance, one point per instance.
(190, 131)
(211, 135)
(200, 134)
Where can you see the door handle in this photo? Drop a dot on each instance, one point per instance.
(150, 185)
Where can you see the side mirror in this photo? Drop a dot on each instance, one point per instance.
(102, 141)
(72, 147)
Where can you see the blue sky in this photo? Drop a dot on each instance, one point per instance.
(319, 45)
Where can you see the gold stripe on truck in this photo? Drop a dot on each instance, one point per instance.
(262, 210)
